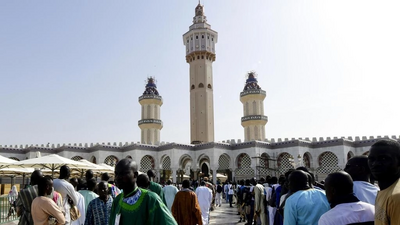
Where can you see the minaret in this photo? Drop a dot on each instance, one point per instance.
(253, 120)
(200, 54)
(150, 124)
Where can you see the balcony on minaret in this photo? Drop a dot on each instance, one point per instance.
(150, 121)
(254, 117)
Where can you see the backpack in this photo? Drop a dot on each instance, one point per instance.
(272, 200)
(240, 196)
(219, 188)
(247, 196)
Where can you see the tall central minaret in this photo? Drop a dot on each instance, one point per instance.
(200, 54)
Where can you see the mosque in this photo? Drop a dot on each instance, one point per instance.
(255, 156)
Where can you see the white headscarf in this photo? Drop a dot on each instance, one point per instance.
(14, 191)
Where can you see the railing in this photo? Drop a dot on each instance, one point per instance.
(252, 92)
(149, 121)
(254, 117)
(150, 97)
(7, 211)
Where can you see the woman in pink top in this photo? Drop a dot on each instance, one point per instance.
(44, 208)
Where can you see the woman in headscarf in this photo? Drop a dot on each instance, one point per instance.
(12, 198)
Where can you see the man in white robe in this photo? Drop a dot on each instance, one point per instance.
(204, 196)
(81, 204)
(169, 193)
(66, 190)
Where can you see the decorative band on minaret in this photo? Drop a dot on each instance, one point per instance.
(200, 43)
(252, 98)
(150, 124)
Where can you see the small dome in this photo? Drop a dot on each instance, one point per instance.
(151, 87)
(251, 82)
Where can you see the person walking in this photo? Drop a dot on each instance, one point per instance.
(384, 162)
(186, 208)
(170, 192)
(12, 198)
(89, 195)
(81, 203)
(66, 190)
(230, 193)
(26, 196)
(359, 171)
(346, 208)
(43, 208)
(136, 206)
(98, 211)
(259, 207)
(155, 187)
(204, 196)
(218, 195)
(305, 205)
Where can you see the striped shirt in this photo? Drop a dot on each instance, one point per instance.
(24, 203)
(98, 212)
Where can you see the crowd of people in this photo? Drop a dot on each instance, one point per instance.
(366, 192)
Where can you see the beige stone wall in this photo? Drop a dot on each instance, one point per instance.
(201, 101)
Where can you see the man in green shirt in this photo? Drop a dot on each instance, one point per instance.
(135, 205)
(154, 187)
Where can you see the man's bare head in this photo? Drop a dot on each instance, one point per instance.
(126, 174)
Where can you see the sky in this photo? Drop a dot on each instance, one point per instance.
(72, 71)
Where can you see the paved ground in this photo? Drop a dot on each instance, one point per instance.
(11, 223)
(225, 215)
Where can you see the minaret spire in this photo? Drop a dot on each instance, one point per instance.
(200, 43)
(253, 120)
(150, 123)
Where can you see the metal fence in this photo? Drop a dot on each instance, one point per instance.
(7, 209)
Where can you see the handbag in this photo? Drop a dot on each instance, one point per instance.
(73, 211)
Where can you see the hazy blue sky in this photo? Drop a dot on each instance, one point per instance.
(72, 71)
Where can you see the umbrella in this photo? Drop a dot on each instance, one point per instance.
(92, 166)
(111, 168)
(5, 162)
(51, 162)
(13, 171)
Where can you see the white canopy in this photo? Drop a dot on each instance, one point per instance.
(5, 162)
(94, 167)
(15, 171)
(51, 162)
(107, 167)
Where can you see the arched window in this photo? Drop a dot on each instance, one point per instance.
(209, 86)
(192, 87)
(76, 158)
(201, 85)
(111, 160)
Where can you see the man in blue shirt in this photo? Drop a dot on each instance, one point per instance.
(99, 209)
(306, 205)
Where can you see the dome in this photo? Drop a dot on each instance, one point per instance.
(251, 82)
(151, 87)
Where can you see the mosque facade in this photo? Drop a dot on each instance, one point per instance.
(255, 156)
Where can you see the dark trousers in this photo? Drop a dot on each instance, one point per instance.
(251, 215)
(230, 200)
